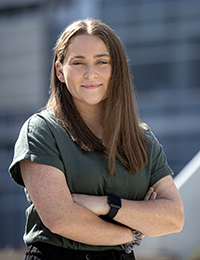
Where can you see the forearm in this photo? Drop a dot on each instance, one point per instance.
(81, 225)
(160, 216)
(152, 218)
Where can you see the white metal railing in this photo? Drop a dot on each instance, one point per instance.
(188, 171)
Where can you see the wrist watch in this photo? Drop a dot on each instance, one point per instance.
(115, 205)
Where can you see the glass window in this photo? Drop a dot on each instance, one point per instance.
(151, 76)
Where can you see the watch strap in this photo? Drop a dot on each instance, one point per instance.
(112, 213)
(115, 205)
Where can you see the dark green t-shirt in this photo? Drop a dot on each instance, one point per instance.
(43, 140)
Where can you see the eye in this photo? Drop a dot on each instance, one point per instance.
(78, 63)
(102, 62)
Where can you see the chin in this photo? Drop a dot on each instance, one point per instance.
(95, 102)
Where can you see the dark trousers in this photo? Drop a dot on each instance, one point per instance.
(44, 251)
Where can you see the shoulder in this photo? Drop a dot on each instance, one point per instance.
(157, 159)
(42, 121)
(149, 136)
(154, 147)
(37, 131)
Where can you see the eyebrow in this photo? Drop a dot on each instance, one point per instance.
(96, 56)
(102, 55)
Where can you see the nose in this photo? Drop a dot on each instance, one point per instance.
(90, 72)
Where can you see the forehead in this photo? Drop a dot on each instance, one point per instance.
(86, 45)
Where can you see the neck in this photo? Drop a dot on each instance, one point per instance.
(92, 117)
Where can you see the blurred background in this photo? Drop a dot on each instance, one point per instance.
(162, 41)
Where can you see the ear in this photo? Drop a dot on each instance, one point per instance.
(59, 71)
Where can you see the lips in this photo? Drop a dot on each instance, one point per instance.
(91, 86)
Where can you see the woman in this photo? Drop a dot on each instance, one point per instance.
(96, 178)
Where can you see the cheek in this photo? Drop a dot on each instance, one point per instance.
(109, 75)
(70, 78)
(106, 74)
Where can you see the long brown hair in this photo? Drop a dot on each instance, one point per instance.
(123, 135)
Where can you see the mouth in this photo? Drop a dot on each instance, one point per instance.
(91, 86)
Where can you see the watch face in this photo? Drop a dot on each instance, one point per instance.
(114, 201)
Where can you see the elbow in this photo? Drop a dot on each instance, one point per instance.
(57, 226)
(179, 220)
(180, 223)
(60, 222)
(176, 227)
(175, 222)
(53, 225)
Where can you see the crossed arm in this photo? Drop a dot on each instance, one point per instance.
(76, 216)
(160, 213)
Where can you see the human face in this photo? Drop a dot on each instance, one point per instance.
(86, 70)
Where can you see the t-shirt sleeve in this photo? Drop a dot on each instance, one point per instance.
(157, 160)
(36, 143)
